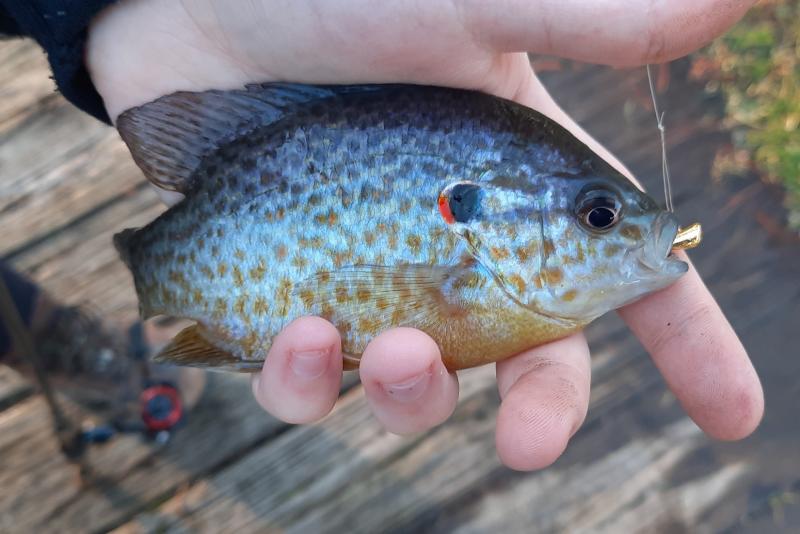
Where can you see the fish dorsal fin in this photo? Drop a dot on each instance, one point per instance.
(362, 301)
(169, 137)
(191, 348)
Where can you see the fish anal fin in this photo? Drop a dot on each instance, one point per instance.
(191, 348)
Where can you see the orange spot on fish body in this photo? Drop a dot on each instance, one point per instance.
(518, 282)
(239, 308)
(197, 297)
(579, 255)
(250, 343)
(553, 275)
(341, 294)
(368, 326)
(260, 306)
(569, 296)
(363, 294)
(414, 242)
(499, 253)
(631, 232)
(257, 273)
(340, 258)
(281, 252)
(238, 279)
(220, 309)
(283, 296)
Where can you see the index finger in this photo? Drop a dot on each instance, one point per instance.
(684, 330)
(700, 356)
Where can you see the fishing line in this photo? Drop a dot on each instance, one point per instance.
(663, 134)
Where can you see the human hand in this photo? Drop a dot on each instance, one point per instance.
(141, 49)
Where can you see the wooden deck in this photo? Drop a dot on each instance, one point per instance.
(638, 464)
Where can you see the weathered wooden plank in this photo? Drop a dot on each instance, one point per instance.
(342, 472)
(620, 491)
(81, 266)
(56, 163)
(26, 79)
(634, 466)
(56, 167)
(347, 474)
(13, 387)
(40, 488)
(304, 468)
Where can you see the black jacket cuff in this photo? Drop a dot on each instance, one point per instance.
(60, 27)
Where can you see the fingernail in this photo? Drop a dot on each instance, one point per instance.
(408, 390)
(309, 365)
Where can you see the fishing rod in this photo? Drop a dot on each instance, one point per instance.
(161, 409)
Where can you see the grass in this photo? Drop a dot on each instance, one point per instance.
(756, 68)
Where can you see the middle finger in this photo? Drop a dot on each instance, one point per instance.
(545, 397)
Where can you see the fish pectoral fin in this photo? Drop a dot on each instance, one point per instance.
(190, 348)
(362, 301)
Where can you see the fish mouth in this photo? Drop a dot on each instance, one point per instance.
(657, 255)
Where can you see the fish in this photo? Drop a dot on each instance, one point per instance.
(477, 220)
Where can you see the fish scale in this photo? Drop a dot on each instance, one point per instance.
(323, 201)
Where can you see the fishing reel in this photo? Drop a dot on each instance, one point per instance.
(160, 412)
(160, 406)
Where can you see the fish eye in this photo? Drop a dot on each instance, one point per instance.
(598, 209)
(460, 202)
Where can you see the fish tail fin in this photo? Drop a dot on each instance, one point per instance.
(193, 349)
(122, 242)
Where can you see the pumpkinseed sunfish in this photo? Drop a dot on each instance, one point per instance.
(475, 219)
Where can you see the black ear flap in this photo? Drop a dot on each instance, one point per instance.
(460, 202)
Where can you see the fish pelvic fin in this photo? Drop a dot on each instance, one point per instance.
(192, 349)
(169, 137)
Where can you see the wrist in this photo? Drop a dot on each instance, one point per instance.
(139, 50)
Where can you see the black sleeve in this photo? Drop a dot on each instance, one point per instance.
(60, 27)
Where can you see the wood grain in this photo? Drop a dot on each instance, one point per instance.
(638, 465)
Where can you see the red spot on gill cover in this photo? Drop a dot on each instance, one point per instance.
(444, 209)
